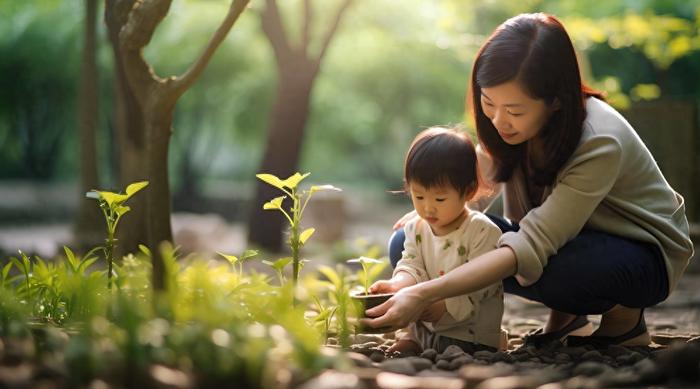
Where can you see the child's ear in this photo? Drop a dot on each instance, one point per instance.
(470, 192)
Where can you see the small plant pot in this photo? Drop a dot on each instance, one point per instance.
(367, 301)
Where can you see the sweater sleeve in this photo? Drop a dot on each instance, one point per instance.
(412, 259)
(482, 239)
(583, 183)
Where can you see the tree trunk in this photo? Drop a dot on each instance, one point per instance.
(297, 69)
(285, 135)
(87, 228)
(132, 24)
(130, 129)
(159, 130)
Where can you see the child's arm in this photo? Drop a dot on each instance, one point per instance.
(410, 270)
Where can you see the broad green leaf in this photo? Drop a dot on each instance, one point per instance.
(145, 250)
(231, 258)
(248, 254)
(294, 180)
(135, 187)
(275, 203)
(122, 209)
(331, 274)
(318, 188)
(271, 179)
(323, 315)
(71, 259)
(376, 270)
(113, 198)
(279, 264)
(6, 270)
(18, 264)
(365, 260)
(306, 235)
(86, 263)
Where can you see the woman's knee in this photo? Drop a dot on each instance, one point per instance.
(396, 246)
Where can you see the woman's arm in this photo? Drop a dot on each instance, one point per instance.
(408, 303)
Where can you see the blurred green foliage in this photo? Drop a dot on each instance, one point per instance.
(393, 69)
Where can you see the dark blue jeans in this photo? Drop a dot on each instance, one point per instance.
(589, 275)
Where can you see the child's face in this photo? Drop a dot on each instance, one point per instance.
(440, 206)
(517, 116)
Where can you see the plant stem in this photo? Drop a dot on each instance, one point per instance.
(109, 251)
(294, 239)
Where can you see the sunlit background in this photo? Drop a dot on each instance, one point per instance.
(392, 69)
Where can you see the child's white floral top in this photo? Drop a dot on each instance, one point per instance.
(475, 317)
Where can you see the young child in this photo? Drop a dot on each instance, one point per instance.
(441, 175)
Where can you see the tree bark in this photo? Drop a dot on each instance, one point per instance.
(130, 129)
(88, 223)
(297, 69)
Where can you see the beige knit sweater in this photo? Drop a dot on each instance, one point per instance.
(611, 183)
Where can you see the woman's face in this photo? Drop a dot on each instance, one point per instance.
(517, 116)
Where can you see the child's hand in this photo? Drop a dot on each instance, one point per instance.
(399, 281)
(434, 312)
(384, 286)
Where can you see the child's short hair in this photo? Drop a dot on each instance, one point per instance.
(442, 156)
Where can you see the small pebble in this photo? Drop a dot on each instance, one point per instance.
(398, 365)
(429, 354)
(420, 364)
(461, 361)
(442, 364)
(377, 356)
(615, 350)
(592, 355)
(485, 355)
(590, 369)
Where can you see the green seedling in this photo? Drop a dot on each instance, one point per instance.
(299, 199)
(324, 317)
(113, 208)
(238, 261)
(371, 268)
(339, 291)
(278, 266)
(26, 268)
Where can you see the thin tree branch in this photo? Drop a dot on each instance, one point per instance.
(274, 30)
(143, 19)
(180, 84)
(333, 27)
(308, 19)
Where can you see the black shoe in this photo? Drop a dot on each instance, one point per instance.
(539, 338)
(605, 341)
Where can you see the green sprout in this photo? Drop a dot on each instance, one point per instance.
(371, 268)
(113, 208)
(278, 266)
(297, 238)
(234, 260)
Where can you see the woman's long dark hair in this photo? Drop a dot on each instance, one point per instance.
(536, 51)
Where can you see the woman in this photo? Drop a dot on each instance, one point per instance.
(595, 229)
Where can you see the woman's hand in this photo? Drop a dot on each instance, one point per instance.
(405, 219)
(434, 312)
(405, 307)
